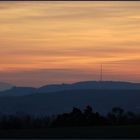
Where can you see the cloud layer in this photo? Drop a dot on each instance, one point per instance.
(69, 35)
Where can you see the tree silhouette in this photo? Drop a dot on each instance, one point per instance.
(117, 116)
(75, 118)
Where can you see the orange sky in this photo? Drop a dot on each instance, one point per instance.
(55, 42)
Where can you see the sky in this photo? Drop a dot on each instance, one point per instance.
(64, 42)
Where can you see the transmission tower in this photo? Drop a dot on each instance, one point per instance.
(101, 73)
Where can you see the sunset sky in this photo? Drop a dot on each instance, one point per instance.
(62, 42)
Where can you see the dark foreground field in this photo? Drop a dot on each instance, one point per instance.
(132, 132)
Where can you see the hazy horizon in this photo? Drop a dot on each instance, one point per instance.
(64, 42)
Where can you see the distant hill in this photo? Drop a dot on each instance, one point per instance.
(60, 98)
(90, 85)
(18, 91)
(5, 86)
(21, 91)
(63, 101)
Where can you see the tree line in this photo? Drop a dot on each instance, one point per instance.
(75, 118)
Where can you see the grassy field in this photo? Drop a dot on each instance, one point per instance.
(76, 132)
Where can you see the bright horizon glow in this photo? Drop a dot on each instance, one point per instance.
(57, 42)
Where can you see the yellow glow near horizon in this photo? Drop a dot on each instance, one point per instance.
(77, 36)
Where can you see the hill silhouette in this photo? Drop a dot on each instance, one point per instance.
(55, 99)
(90, 85)
(63, 101)
(97, 85)
(5, 86)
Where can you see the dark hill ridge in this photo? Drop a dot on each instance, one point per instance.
(53, 99)
(63, 101)
(18, 91)
(90, 85)
(5, 86)
(21, 91)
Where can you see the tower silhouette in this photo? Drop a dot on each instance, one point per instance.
(101, 73)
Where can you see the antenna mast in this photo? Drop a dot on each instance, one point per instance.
(101, 73)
